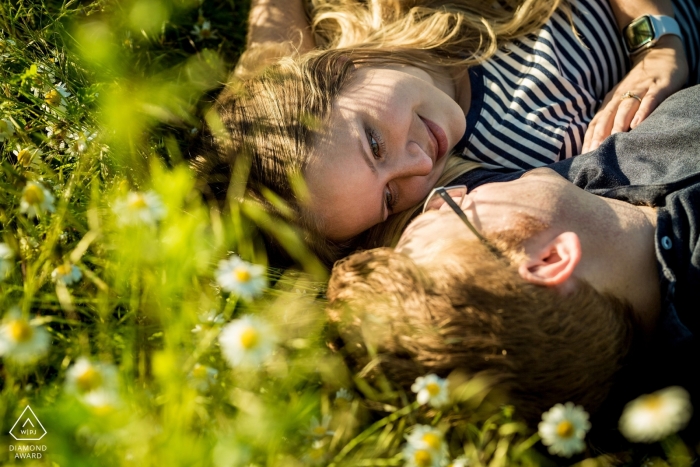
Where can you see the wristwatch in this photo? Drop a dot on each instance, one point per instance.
(646, 30)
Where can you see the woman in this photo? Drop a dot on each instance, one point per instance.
(368, 122)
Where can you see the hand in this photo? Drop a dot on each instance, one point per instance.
(656, 73)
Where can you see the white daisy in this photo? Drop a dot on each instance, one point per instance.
(36, 200)
(21, 341)
(343, 397)
(7, 257)
(563, 429)
(204, 31)
(78, 142)
(431, 389)
(316, 454)
(46, 71)
(202, 377)
(241, 278)
(425, 447)
(56, 132)
(5, 45)
(7, 129)
(55, 98)
(247, 342)
(67, 273)
(209, 320)
(320, 429)
(28, 157)
(139, 208)
(102, 402)
(652, 417)
(85, 377)
(461, 461)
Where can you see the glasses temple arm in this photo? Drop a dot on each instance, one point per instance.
(448, 199)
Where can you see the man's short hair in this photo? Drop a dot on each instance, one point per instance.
(467, 309)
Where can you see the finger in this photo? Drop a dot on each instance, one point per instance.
(588, 137)
(603, 126)
(595, 121)
(649, 103)
(625, 113)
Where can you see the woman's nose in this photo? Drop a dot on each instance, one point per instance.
(414, 162)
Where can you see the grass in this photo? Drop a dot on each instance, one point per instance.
(98, 102)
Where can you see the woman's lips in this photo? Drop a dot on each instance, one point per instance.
(438, 136)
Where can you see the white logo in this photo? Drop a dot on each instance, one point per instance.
(28, 427)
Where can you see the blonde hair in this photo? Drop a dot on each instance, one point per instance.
(461, 33)
(470, 311)
(272, 118)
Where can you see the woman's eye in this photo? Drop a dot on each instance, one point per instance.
(374, 145)
(389, 199)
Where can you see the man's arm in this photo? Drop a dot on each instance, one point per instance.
(280, 21)
(276, 29)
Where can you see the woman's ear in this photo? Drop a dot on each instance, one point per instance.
(553, 264)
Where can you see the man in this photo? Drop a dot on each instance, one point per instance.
(567, 289)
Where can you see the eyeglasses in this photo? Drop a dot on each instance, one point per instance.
(442, 195)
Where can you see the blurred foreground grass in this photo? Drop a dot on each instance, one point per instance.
(118, 329)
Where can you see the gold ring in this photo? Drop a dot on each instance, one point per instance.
(630, 94)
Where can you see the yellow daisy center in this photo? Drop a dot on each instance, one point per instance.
(89, 379)
(433, 389)
(319, 430)
(205, 32)
(52, 97)
(241, 275)
(138, 202)
(422, 458)
(102, 409)
(64, 269)
(24, 157)
(33, 194)
(651, 402)
(20, 331)
(432, 440)
(565, 429)
(199, 371)
(249, 338)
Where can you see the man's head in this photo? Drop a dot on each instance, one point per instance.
(443, 301)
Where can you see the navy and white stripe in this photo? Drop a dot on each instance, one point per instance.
(532, 102)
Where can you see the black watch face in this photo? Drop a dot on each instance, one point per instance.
(639, 32)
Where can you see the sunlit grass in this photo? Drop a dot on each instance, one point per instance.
(107, 247)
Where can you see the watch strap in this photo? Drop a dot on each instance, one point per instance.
(664, 25)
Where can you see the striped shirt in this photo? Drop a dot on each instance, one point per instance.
(532, 102)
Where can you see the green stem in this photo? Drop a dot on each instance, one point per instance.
(371, 430)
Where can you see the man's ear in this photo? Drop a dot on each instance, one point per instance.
(553, 263)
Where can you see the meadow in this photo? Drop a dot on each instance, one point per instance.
(140, 322)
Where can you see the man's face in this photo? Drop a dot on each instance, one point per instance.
(542, 195)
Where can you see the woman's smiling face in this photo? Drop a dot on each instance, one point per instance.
(384, 147)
